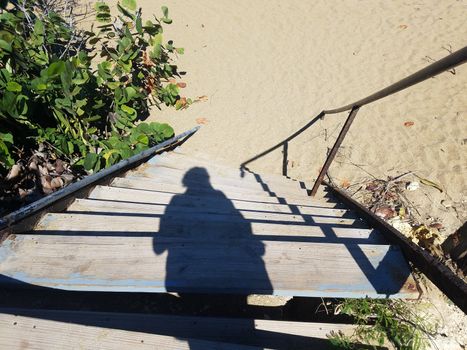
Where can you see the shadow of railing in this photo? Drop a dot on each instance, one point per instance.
(285, 147)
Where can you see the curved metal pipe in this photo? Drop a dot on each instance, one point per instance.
(444, 64)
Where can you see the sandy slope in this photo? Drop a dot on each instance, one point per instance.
(268, 67)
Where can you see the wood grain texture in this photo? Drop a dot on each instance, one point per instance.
(261, 333)
(176, 160)
(203, 226)
(165, 189)
(19, 332)
(199, 178)
(122, 197)
(171, 161)
(245, 266)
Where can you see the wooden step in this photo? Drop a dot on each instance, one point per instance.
(160, 188)
(183, 225)
(201, 226)
(171, 161)
(24, 332)
(197, 182)
(247, 210)
(210, 204)
(178, 160)
(279, 335)
(245, 266)
(198, 225)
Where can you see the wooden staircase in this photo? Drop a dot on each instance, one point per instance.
(184, 224)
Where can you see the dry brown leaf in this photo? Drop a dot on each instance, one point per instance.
(181, 84)
(15, 171)
(385, 212)
(408, 124)
(59, 166)
(403, 26)
(345, 183)
(201, 121)
(436, 225)
(203, 98)
(56, 183)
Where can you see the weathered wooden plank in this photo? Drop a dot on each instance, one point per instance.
(197, 180)
(187, 161)
(161, 188)
(246, 266)
(246, 209)
(200, 225)
(21, 332)
(279, 335)
(192, 226)
(216, 171)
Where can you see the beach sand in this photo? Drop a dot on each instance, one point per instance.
(269, 67)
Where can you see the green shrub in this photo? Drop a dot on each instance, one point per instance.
(83, 92)
(381, 319)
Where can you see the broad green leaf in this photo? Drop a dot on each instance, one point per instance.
(144, 139)
(113, 84)
(145, 128)
(41, 87)
(101, 6)
(55, 69)
(103, 18)
(90, 161)
(126, 12)
(165, 129)
(165, 11)
(71, 147)
(130, 92)
(125, 43)
(5, 46)
(6, 137)
(157, 46)
(129, 4)
(139, 25)
(39, 27)
(108, 154)
(13, 86)
(128, 110)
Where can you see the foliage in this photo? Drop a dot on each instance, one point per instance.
(381, 319)
(83, 92)
(340, 341)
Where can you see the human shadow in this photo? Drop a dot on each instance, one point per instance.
(209, 255)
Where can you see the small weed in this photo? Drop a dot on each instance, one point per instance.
(379, 320)
(341, 341)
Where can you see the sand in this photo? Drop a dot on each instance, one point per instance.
(268, 67)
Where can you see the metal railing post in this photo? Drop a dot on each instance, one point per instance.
(334, 149)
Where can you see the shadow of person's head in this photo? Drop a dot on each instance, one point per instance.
(196, 175)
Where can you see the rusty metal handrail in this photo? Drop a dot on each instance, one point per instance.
(454, 59)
